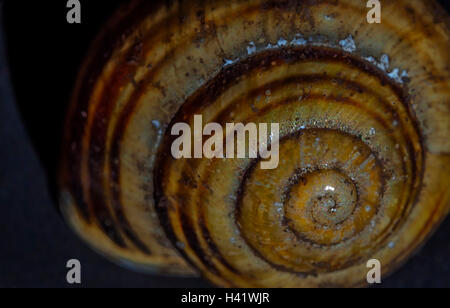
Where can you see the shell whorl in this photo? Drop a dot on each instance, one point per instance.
(364, 149)
(350, 167)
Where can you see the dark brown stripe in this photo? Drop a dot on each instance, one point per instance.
(96, 165)
(215, 87)
(117, 204)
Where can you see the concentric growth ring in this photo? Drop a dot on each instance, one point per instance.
(350, 164)
(364, 153)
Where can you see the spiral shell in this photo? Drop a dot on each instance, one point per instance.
(364, 154)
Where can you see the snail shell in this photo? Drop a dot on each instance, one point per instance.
(364, 149)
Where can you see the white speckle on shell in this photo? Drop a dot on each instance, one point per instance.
(298, 40)
(282, 42)
(348, 44)
(251, 48)
(156, 124)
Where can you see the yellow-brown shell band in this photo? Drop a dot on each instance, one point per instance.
(310, 151)
(261, 61)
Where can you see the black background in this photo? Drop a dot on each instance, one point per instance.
(44, 53)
